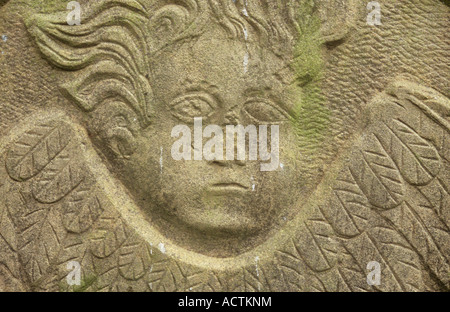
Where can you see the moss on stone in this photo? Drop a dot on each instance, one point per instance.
(311, 119)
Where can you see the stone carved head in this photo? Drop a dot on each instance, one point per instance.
(136, 68)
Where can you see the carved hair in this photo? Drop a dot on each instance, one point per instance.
(110, 50)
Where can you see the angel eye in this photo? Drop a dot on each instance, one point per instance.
(264, 111)
(187, 107)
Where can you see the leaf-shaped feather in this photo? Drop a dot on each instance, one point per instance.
(108, 238)
(348, 209)
(36, 148)
(135, 258)
(200, 280)
(7, 231)
(293, 270)
(106, 272)
(417, 160)
(8, 244)
(62, 176)
(81, 209)
(427, 215)
(352, 274)
(165, 276)
(364, 250)
(39, 234)
(256, 278)
(409, 224)
(296, 272)
(437, 196)
(403, 261)
(377, 176)
(314, 243)
(75, 248)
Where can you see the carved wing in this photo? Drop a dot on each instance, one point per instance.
(52, 212)
(390, 204)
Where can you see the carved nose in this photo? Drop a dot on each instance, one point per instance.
(232, 117)
(226, 163)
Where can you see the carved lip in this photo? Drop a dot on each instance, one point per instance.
(228, 187)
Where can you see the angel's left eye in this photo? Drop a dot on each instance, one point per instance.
(187, 107)
(264, 111)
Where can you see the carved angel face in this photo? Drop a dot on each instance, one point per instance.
(217, 207)
(137, 86)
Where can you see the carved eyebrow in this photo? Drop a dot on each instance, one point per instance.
(208, 89)
(189, 85)
(192, 94)
(268, 93)
(252, 92)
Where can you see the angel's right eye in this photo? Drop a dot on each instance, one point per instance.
(187, 107)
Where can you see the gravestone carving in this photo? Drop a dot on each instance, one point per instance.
(359, 116)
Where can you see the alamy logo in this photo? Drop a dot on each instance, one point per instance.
(374, 276)
(213, 149)
(74, 276)
(374, 16)
(74, 16)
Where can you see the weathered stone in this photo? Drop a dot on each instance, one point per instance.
(88, 178)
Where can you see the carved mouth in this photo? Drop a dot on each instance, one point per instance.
(228, 187)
